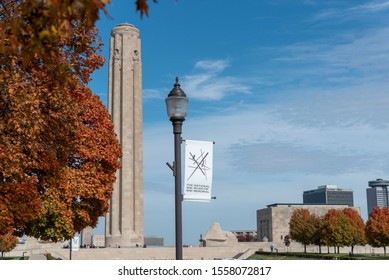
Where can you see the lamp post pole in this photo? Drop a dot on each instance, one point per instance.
(177, 107)
(177, 130)
(70, 248)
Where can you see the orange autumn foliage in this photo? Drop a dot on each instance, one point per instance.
(302, 227)
(377, 228)
(7, 243)
(30, 28)
(58, 150)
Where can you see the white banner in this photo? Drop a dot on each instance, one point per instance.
(75, 243)
(198, 170)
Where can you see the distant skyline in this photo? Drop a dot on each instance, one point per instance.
(294, 94)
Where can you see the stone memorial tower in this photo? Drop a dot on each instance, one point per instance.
(124, 221)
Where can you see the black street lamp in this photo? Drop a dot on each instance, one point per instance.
(177, 107)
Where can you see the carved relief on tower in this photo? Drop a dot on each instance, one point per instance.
(135, 57)
(117, 59)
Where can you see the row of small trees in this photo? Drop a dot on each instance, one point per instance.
(340, 228)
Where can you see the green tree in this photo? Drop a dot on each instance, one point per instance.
(302, 227)
(377, 228)
(7, 243)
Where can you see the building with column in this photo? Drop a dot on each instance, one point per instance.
(377, 194)
(86, 236)
(329, 194)
(124, 225)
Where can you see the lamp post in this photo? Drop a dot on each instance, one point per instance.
(177, 107)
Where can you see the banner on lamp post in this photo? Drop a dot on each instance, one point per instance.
(75, 243)
(198, 170)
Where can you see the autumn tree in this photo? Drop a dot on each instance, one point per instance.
(30, 28)
(337, 229)
(357, 227)
(58, 150)
(377, 228)
(317, 237)
(302, 227)
(7, 243)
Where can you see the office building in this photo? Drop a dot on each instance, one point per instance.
(377, 194)
(329, 194)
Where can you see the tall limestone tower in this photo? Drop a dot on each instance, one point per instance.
(124, 221)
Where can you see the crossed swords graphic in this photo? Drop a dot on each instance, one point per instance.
(199, 163)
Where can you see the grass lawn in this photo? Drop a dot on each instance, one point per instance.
(13, 258)
(272, 257)
(314, 256)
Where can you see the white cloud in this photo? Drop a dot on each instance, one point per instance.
(339, 83)
(277, 158)
(152, 94)
(262, 138)
(212, 66)
(351, 13)
(356, 55)
(374, 6)
(209, 84)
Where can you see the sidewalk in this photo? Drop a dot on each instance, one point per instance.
(38, 257)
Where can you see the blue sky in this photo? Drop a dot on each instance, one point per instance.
(294, 93)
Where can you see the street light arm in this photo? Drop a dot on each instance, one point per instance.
(171, 166)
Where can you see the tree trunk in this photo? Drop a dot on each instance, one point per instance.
(319, 249)
(305, 248)
(384, 250)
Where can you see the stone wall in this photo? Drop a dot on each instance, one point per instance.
(162, 253)
(242, 250)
